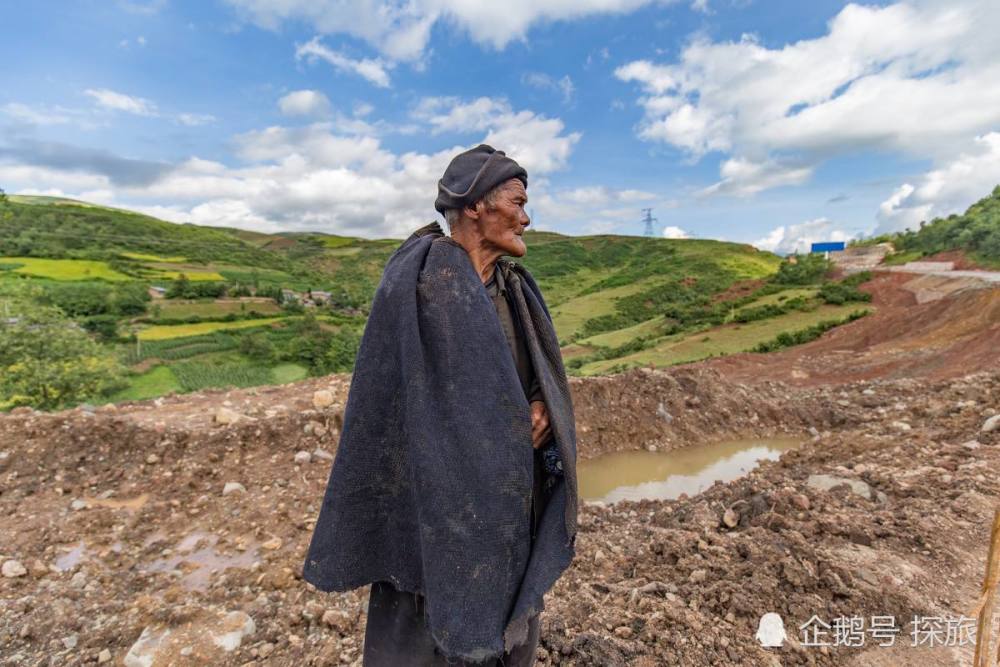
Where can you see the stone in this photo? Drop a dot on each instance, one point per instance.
(79, 580)
(322, 454)
(104, 656)
(322, 398)
(338, 620)
(600, 557)
(623, 632)
(233, 487)
(235, 626)
(858, 487)
(272, 544)
(152, 459)
(698, 576)
(972, 445)
(12, 569)
(302, 457)
(800, 501)
(991, 424)
(78, 505)
(731, 518)
(901, 426)
(227, 416)
(69, 642)
(265, 649)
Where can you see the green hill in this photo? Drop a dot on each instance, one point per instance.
(616, 301)
(977, 232)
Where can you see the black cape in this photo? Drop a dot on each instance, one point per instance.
(431, 486)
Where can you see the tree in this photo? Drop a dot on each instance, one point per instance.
(48, 362)
(3, 197)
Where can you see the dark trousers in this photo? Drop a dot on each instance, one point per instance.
(396, 635)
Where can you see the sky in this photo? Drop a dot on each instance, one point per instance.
(771, 122)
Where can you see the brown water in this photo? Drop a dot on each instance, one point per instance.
(664, 476)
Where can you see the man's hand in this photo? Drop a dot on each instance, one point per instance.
(540, 428)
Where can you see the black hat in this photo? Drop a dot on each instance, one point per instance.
(474, 173)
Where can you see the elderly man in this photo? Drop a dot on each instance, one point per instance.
(454, 487)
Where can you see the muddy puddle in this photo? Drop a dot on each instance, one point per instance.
(642, 475)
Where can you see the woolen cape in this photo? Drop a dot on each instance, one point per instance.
(431, 486)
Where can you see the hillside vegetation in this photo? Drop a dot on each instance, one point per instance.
(234, 307)
(977, 232)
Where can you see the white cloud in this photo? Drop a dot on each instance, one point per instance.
(195, 119)
(563, 86)
(742, 177)
(916, 78)
(374, 70)
(316, 177)
(35, 116)
(675, 233)
(537, 142)
(799, 238)
(110, 99)
(948, 189)
(304, 103)
(595, 209)
(401, 30)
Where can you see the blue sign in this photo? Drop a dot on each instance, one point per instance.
(828, 246)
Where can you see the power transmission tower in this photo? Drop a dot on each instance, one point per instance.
(648, 218)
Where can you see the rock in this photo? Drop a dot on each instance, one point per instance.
(78, 505)
(698, 576)
(731, 518)
(235, 626)
(650, 447)
(272, 544)
(315, 428)
(302, 457)
(206, 636)
(600, 557)
(972, 445)
(322, 398)
(858, 487)
(69, 642)
(104, 656)
(338, 620)
(38, 569)
(152, 458)
(800, 501)
(623, 632)
(322, 454)
(233, 487)
(265, 649)
(868, 392)
(78, 581)
(227, 416)
(901, 426)
(13, 568)
(991, 424)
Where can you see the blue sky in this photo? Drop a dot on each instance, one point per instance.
(774, 123)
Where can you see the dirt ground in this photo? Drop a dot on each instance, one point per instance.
(172, 532)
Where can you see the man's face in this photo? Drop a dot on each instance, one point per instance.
(503, 224)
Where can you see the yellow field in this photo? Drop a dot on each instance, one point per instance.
(163, 331)
(152, 258)
(64, 269)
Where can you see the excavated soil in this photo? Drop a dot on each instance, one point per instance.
(122, 522)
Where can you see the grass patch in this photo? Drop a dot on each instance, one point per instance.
(722, 340)
(284, 373)
(156, 382)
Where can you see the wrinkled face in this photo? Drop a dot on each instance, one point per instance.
(502, 224)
